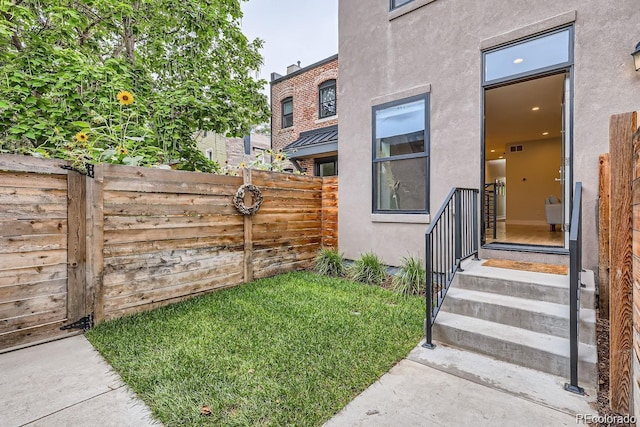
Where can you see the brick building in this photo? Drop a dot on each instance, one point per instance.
(304, 116)
(232, 151)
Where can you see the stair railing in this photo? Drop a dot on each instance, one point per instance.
(575, 268)
(451, 238)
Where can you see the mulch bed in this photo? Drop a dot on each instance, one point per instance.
(602, 404)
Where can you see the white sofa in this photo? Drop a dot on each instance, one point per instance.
(553, 211)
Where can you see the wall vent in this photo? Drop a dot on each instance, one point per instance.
(515, 148)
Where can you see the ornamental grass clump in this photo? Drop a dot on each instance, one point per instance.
(329, 262)
(410, 278)
(368, 269)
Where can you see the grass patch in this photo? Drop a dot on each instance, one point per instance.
(288, 350)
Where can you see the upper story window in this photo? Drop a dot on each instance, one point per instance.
(401, 156)
(397, 3)
(327, 96)
(287, 112)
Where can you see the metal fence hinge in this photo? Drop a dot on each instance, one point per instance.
(88, 166)
(85, 323)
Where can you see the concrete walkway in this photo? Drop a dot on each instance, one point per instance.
(65, 383)
(450, 387)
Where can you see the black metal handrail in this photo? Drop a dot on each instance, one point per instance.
(451, 238)
(575, 268)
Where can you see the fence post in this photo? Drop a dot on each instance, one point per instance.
(621, 129)
(76, 246)
(94, 299)
(248, 236)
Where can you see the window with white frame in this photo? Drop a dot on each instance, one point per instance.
(401, 156)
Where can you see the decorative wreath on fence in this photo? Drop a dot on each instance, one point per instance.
(238, 199)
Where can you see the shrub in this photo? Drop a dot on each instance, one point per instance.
(329, 262)
(410, 278)
(368, 269)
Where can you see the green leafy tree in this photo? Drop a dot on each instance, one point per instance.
(186, 65)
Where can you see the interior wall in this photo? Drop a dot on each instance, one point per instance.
(496, 170)
(531, 178)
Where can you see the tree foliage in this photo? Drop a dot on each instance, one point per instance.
(186, 63)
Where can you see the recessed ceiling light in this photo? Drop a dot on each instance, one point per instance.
(535, 108)
(545, 133)
(518, 61)
(501, 157)
(493, 151)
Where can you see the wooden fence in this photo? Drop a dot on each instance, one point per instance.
(131, 239)
(619, 269)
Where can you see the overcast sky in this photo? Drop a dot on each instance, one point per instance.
(293, 30)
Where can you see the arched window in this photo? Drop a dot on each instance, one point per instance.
(327, 99)
(287, 112)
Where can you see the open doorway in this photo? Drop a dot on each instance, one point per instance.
(525, 156)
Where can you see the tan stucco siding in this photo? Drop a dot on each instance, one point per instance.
(440, 45)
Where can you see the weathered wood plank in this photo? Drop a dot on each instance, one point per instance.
(153, 210)
(46, 211)
(621, 129)
(215, 242)
(16, 163)
(24, 227)
(168, 258)
(214, 262)
(20, 291)
(76, 246)
(33, 305)
(171, 293)
(112, 237)
(17, 196)
(32, 259)
(134, 173)
(265, 218)
(147, 222)
(156, 281)
(127, 184)
(224, 284)
(32, 180)
(285, 241)
(26, 275)
(31, 320)
(17, 339)
(114, 198)
(604, 218)
(30, 243)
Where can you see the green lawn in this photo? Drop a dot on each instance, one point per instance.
(288, 350)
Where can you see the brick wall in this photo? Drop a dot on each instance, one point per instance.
(303, 88)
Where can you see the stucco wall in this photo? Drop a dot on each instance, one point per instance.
(439, 45)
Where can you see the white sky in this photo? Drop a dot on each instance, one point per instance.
(293, 30)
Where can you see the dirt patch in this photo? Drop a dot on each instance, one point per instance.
(602, 404)
(537, 267)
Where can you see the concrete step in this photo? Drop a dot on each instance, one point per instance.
(523, 347)
(538, 316)
(525, 383)
(544, 287)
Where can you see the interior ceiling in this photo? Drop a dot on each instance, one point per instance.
(509, 117)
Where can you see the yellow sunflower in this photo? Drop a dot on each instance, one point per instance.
(122, 150)
(82, 137)
(125, 98)
(242, 165)
(279, 157)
